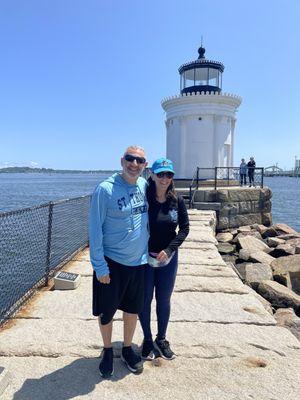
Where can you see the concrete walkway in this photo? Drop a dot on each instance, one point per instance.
(228, 345)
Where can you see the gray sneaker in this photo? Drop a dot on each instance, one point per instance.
(132, 361)
(163, 347)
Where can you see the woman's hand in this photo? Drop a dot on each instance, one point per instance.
(162, 256)
(104, 279)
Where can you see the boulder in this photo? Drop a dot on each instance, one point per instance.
(267, 306)
(261, 257)
(259, 228)
(288, 236)
(270, 232)
(286, 270)
(244, 254)
(279, 295)
(225, 248)
(255, 234)
(284, 228)
(256, 273)
(252, 244)
(246, 228)
(241, 268)
(282, 250)
(224, 237)
(293, 242)
(286, 317)
(274, 241)
(297, 249)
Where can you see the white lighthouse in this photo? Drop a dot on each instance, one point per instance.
(200, 121)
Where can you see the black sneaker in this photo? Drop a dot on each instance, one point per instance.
(106, 365)
(132, 360)
(163, 347)
(147, 350)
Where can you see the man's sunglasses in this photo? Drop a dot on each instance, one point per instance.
(168, 175)
(139, 160)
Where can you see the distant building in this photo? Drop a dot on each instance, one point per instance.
(200, 121)
(297, 165)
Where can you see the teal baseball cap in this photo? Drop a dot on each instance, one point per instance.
(162, 165)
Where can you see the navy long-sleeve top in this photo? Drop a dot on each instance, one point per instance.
(164, 218)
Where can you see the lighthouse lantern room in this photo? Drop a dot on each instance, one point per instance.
(200, 121)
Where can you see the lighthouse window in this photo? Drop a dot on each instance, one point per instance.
(201, 76)
(189, 78)
(213, 77)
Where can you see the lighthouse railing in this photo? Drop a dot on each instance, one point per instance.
(220, 177)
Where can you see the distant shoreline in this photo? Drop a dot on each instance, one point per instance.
(29, 170)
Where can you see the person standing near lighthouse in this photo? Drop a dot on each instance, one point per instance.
(118, 234)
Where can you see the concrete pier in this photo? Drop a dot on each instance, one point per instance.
(228, 346)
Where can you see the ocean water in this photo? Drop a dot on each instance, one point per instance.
(26, 190)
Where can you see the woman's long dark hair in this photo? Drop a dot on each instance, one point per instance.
(171, 194)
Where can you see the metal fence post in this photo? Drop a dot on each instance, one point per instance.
(216, 175)
(197, 178)
(227, 176)
(262, 177)
(49, 236)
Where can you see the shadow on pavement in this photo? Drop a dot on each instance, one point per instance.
(78, 378)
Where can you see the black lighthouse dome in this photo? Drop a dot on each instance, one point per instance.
(201, 75)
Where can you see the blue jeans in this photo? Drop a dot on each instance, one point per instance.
(163, 280)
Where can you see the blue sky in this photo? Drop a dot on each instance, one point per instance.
(82, 79)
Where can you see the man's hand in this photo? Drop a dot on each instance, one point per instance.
(162, 256)
(104, 279)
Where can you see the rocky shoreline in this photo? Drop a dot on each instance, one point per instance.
(267, 259)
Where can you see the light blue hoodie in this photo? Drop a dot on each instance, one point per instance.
(118, 223)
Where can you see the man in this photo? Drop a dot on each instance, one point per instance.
(118, 250)
(251, 168)
(243, 172)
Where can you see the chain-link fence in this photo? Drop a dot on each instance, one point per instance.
(34, 243)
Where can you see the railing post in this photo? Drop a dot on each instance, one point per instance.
(49, 237)
(197, 178)
(228, 176)
(216, 175)
(262, 177)
(190, 201)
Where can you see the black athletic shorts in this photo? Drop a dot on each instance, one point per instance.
(124, 292)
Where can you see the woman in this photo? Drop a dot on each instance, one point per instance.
(166, 211)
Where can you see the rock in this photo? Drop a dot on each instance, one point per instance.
(225, 248)
(259, 228)
(270, 232)
(274, 241)
(255, 234)
(297, 249)
(256, 273)
(252, 244)
(279, 295)
(229, 258)
(284, 228)
(224, 237)
(261, 257)
(241, 268)
(288, 236)
(292, 242)
(286, 317)
(286, 270)
(267, 306)
(244, 254)
(246, 228)
(282, 250)
(266, 218)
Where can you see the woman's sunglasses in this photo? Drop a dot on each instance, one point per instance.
(168, 175)
(139, 160)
